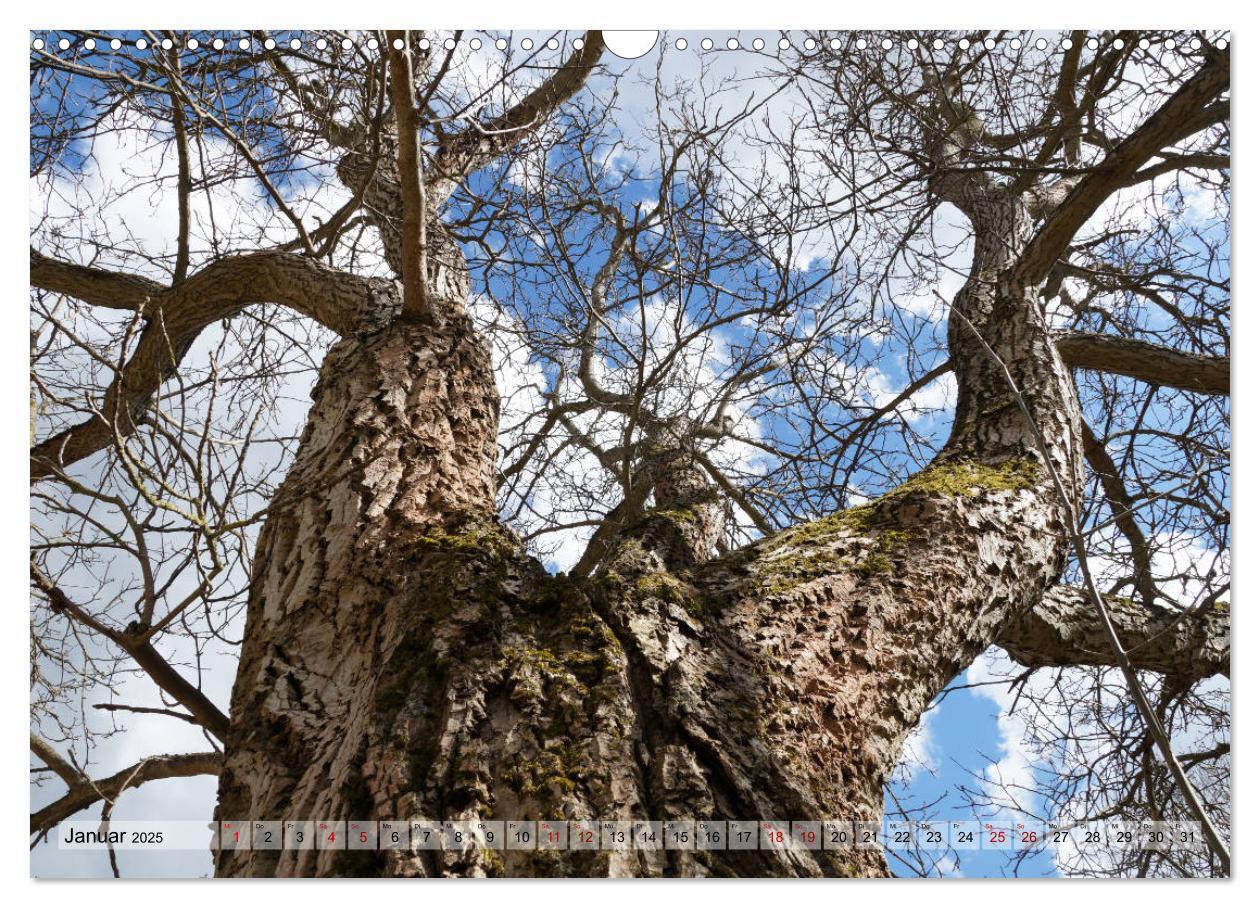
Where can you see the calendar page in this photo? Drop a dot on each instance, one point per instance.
(581, 453)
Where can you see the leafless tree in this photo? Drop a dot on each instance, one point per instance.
(852, 364)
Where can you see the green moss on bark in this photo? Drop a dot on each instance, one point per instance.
(792, 570)
(668, 588)
(876, 563)
(963, 478)
(956, 479)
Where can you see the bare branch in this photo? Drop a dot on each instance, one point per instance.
(480, 143)
(414, 213)
(1165, 125)
(341, 301)
(1122, 505)
(135, 642)
(54, 761)
(1063, 630)
(1151, 363)
(151, 769)
(96, 286)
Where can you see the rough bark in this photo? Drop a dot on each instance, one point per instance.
(399, 446)
(1151, 363)
(1063, 630)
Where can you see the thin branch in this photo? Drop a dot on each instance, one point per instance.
(415, 215)
(88, 792)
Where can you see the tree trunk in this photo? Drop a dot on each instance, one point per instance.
(405, 659)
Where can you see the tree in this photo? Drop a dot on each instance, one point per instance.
(404, 650)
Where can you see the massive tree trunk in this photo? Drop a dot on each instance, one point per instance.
(404, 658)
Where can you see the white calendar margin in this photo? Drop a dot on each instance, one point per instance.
(723, 15)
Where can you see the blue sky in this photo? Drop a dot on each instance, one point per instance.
(961, 739)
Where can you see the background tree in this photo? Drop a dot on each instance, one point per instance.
(694, 331)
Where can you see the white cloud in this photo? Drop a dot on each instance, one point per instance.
(1185, 562)
(919, 752)
(1010, 777)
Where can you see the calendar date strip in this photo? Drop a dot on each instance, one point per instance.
(626, 835)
